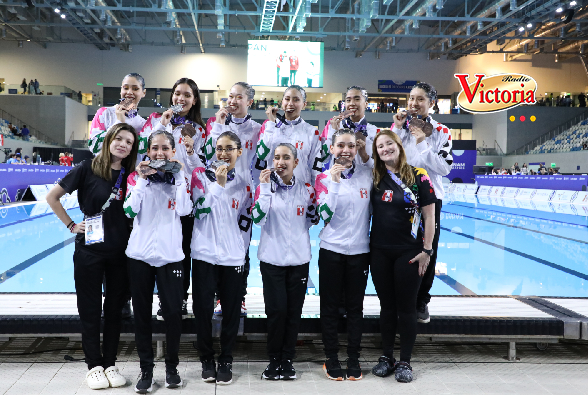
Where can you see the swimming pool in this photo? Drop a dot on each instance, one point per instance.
(487, 247)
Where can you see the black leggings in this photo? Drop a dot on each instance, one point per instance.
(397, 283)
(187, 227)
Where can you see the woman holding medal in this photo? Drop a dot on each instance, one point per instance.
(291, 128)
(356, 103)
(235, 118)
(101, 184)
(184, 121)
(156, 201)
(132, 90)
(285, 209)
(222, 200)
(400, 247)
(427, 145)
(343, 191)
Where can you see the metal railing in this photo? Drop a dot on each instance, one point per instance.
(43, 138)
(496, 150)
(551, 134)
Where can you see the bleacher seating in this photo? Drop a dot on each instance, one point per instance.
(568, 141)
(8, 134)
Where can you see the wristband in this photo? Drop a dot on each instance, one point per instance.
(428, 252)
(68, 225)
(72, 228)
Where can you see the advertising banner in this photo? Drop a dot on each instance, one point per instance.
(510, 192)
(581, 198)
(464, 159)
(391, 86)
(525, 194)
(564, 196)
(543, 195)
(571, 183)
(15, 179)
(484, 190)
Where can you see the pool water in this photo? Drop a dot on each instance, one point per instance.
(486, 247)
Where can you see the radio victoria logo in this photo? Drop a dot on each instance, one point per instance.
(494, 93)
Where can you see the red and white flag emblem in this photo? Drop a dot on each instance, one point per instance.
(300, 210)
(299, 144)
(387, 196)
(363, 193)
(235, 204)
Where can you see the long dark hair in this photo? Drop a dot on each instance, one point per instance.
(194, 113)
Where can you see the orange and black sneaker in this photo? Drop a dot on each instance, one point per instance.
(353, 369)
(332, 369)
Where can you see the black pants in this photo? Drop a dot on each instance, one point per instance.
(187, 228)
(169, 280)
(397, 282)
(284, 290)
(424, 295)
(89, 269)
(206, 279)
(345, 275)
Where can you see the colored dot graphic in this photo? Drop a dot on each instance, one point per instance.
(533, 118)
(522, 118)
(512, 118)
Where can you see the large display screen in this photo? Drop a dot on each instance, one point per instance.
(285, 63)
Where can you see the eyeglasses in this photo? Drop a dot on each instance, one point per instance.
(227, 150)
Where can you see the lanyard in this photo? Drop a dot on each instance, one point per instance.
(283, 121)
(361, 126)
(115, 190)
(349, 172)
(230, 120)
(275, 180)
(411, 199)
(408, 194)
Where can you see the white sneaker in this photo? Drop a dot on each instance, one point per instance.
(114, 377)
(96, 379)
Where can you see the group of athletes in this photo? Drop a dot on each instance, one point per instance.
(159, 227)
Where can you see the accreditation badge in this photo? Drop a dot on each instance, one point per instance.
(94, 230)
(416, 221)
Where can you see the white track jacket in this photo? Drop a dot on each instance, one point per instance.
(285, 217)
(190, 162)
(345, 208)
(221, 219)
(433, 154)
(106, 117)
(303, 136)
(156, 208)
(248, 132)
(327, 138)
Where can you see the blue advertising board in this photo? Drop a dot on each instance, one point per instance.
(464, 158)
(391, 86)
(570, 183)
(15, 179)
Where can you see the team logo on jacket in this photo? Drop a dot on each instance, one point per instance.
(171, 204)
(300, 210)
(235, 204)
(299, 144)
(249, 144)
(363, 193)
(387, 196)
